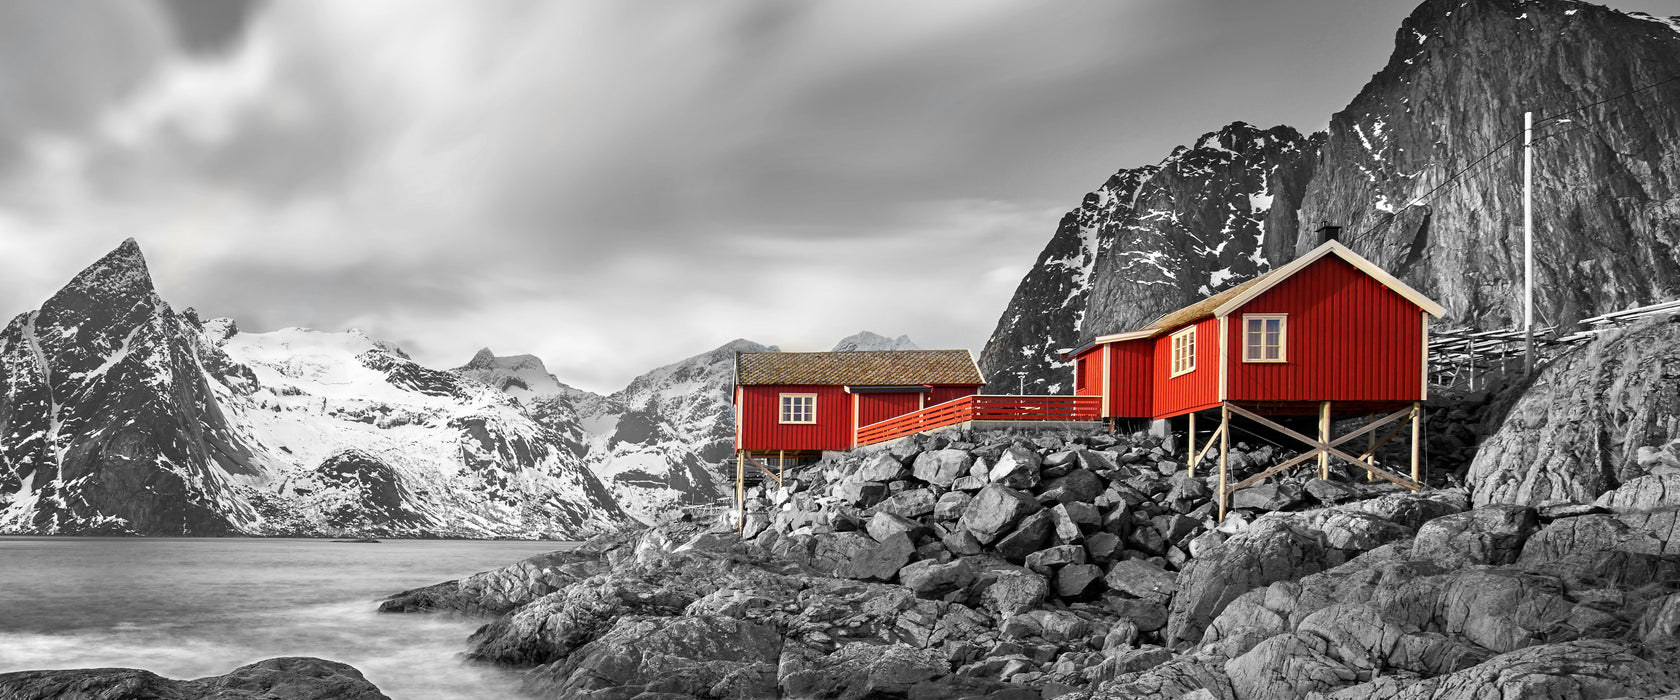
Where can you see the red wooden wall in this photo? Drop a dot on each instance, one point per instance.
(1131, 377)
(1088, 371)
(941, 394)
(760, 408)
(1193, 390)
(1349, 339)
(874, 408)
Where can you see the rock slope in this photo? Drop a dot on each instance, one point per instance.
(1085, 566)
(1454, 89)
(286, 678)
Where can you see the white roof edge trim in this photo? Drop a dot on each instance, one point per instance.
(1352, 258)
(1119, 337)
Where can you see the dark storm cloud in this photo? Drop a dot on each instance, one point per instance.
(210, 26)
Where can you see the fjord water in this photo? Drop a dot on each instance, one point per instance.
(195, 607)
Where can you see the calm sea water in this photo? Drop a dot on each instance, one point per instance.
(192, 607)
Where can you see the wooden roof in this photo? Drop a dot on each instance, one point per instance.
(1225, 302)
(858, 368)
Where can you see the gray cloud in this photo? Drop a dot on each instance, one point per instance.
(617, 184)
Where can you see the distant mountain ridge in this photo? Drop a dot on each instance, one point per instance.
(120, 415)
(1243, 200)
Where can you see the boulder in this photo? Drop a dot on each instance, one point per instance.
(1027, 537)
(1145, 615)
(1331, 492)
(933, 580)
(1102, 547)
(290, 678)
(1045, 560)
(1016, 468)
(1079, 485)
(885, 525)
(1649, 492)
(951, 506)
(1074, 580)
(1141, 579)
(961, 542)
(861, 494)
(685, 656)
(913, 503)
(1267, 497)
(882, 467)
(968, 484)
(1187, 493)
(1576, 431)
(854, 670)
(1488, 535)
(882, 561)
(995, 511)
(1015, 591)
(1066, 530)
(1592, 668)
(942, 467)
(1287, 666)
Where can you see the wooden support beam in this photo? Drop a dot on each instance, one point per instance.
(761, 467)
(1324, 437)
(1370, 448)
(1218, 433)
(1190, 450)
(1224, 449)
(1318, 447)
(1417, 421)
(740, 492)
(781, 465)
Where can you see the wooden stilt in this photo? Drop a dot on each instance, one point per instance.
(1417, 416)
(1324, 436)
(1224, 449)
(1190, 450)
(741, 492)
(1371, 450)
(781, 465)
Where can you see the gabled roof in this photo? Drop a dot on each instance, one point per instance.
(858, 368)
(1223, 303)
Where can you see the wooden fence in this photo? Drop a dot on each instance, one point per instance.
(983, 407)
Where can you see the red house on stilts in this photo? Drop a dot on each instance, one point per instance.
(1329, 334)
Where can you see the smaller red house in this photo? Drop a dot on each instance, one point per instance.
(793, 405)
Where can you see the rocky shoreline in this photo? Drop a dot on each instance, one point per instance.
(1085, 566)
(285, 678)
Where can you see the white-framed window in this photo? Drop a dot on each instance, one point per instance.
(1184, 351)
(799, 408)
(1265, 337)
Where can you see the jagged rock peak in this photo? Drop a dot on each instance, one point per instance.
(483, 359)
(866, 340)
(121, 270)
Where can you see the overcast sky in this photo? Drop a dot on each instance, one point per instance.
(618, 184)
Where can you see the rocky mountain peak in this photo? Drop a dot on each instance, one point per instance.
(866, 340)
(483, 359)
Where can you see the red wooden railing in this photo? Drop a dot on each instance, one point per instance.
(982, 407)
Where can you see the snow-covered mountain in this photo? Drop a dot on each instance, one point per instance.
(865, 340)
(522, 377)
(119, 414)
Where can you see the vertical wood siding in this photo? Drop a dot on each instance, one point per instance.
(1194, 390)
(1088, 372)
(874, 408)
(941, 394)
(1349, 339)
(1130, 378)
(760, 407)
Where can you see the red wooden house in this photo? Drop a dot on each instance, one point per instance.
(791, 406)
(1329, 334)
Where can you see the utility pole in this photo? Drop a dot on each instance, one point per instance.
(1528, 240)
(1023, 377)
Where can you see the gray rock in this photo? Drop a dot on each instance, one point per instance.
(1045, 560)
(913, 503)
(1074, 580)
(951, 506)
(1593, 668)
(995, 511)
(1142, 580)
(1187, 493)
(1027, 537)
(942, 466)
(1066, 531)
(1016, 591)
(885, 525)
(689, 655)
(932, 580)
(1255, 676)
(1102, 547)
(861, 494)
(1267, 497)
(284, 678)
(1145, 615)
(1331, 492)
(1649, 492)
(882, 467)
(961, 542)
(855, 670)
(1016, 468)
(968, 484)
(1080, 485)
(1490, 535)
(883, 560)
(1085, 515)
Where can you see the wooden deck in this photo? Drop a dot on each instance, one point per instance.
(982, 407)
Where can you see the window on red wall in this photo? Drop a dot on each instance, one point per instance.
(799, 408)
(1079, 374)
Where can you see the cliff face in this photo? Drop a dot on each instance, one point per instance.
(1150, 240)
(1607, 212)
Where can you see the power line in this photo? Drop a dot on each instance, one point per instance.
(1415, 201)
(1612, 98)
